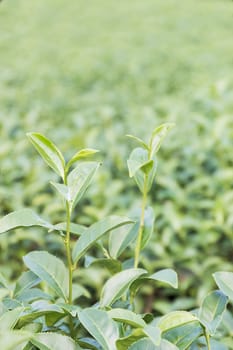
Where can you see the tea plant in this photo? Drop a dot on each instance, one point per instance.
(40, 311)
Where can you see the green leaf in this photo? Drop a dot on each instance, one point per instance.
(50, 269)
(9, 319)
(3, 281)
(224, 281)
(95, 232)
(26, 281)
(61, 189)
(112, 265)
(79, 179)
(52, 312)
(212, 309)
(167, 276)
(49, 152)
(157, 137)
(175, 319)
(53, 341)
(146, 344)
(137, 159)
(21, 218)
(84, 153)
(141, 142)
(128, 317)
(117, 285)
(76, 229)
(120, 239)
(9, 340)
(153, 333)
(149, 220)
(99, 324)
(184, 335)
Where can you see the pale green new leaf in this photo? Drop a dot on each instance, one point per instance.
(140, 141)
(174, 319)
(49, 152)
(212, 309)
(79, 179)
(157, 137)
(224, 281)
(152, 333)
(99, 324)
(21, 218)
(84, 153)
(61, 189)
(127, 317)
(146, 344)
(148, 229)
(9, 340)
(53, 341)
(95, 232)
(117, 285)
(137, 159)
(9, 319)
(50, 269)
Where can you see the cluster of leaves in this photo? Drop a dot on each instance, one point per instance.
(40, 310)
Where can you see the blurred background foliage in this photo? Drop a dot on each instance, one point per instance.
(87, 73)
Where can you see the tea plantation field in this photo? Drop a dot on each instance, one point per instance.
(85, 74)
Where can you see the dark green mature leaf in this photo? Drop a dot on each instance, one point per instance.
(9, 319)
(157, 137)
(167, 276)
(212, 309)
(50, 269)
(79, 179)
(180, 328)
(21, 218)
(95, 232)
(111, 265)
(120, 239)
(53, 341)
(128, 317)
(83, 153)
(26, 281)
(224, 281)
(99, 324)
(146, 344)
(118, 284)
(184, 335)
(49, 152)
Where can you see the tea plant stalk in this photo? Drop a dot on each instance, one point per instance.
(141, 227)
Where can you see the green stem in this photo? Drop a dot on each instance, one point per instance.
(207, 337)
(67, 244)
(68, 252)
(141, 227)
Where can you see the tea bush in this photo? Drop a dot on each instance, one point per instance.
(39, 311)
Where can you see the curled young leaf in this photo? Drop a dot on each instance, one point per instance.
(48, 151)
